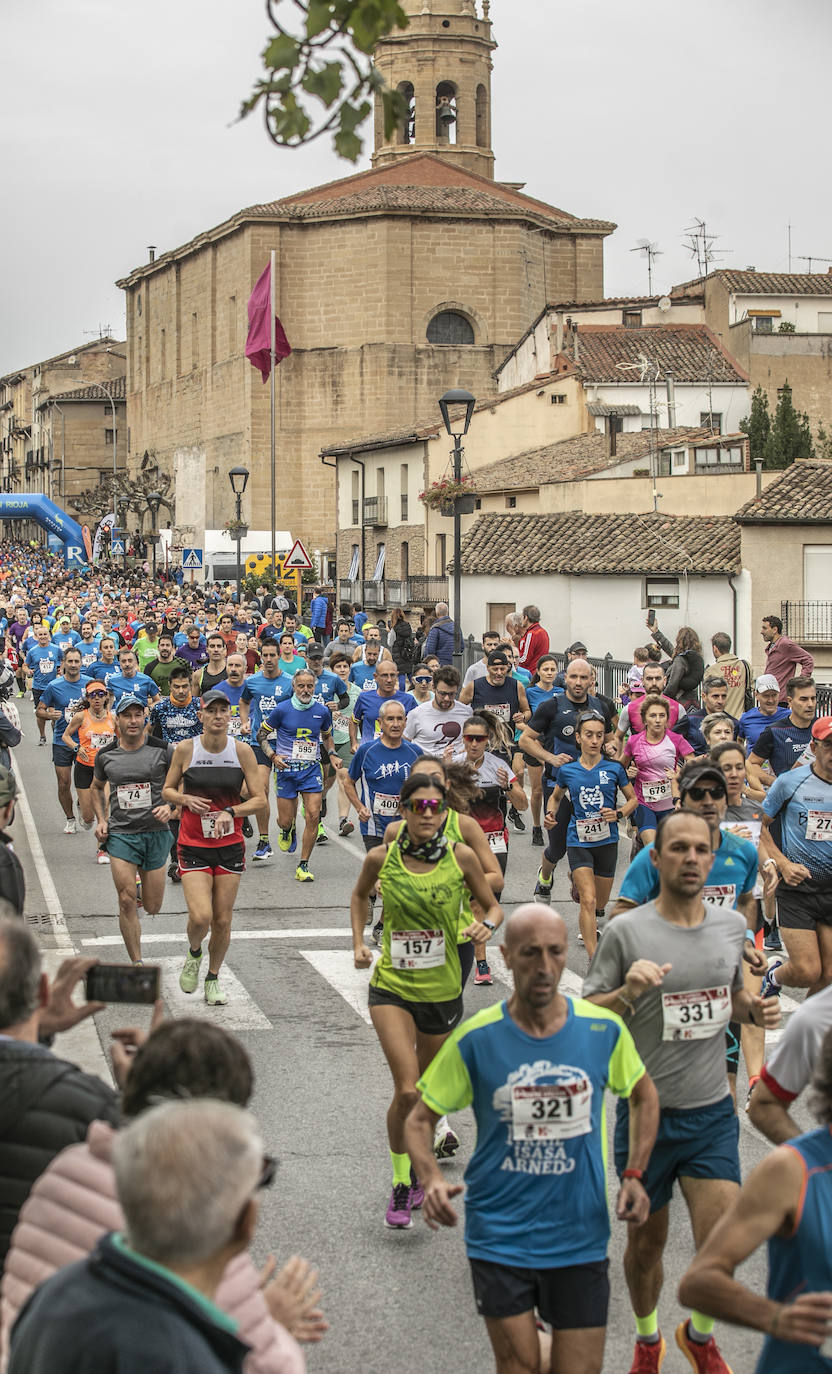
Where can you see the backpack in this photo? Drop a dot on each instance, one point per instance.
(748, 699)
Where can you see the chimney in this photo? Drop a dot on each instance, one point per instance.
(671, 398)
(559, 330)
(575, 340)
(611, 431)
(151, 251)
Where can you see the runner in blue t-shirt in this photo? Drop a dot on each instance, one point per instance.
(537, 1225)
(377, 771)
(302, 725)
(129, 682)
(783, 744)
(41, 660)
(366, 709)
(59, 701)
(261, 693)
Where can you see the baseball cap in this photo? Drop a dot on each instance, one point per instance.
(822, 728)
(767, 682)
(214, 695)
(8, 786)
(577, 648)
(314, 651)
(498, 656)
(696, 772)
(96, 682)
(127, 701)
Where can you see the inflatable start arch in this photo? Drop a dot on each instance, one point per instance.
(23, 506)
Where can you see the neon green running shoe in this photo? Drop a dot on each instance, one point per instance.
(302, 874)
(214, 995)
(189, 977)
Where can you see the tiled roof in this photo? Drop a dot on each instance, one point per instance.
(534, 545)
(769, 283)
(447, 200)
(614, 354)
(802, 496)
(602, 410)
(117, 386)
(570, 459)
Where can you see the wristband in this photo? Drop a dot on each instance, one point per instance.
(770, 861)
(749, 935)
(633, 1173)
(489, 924)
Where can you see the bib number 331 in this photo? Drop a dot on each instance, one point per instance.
(695, 1015)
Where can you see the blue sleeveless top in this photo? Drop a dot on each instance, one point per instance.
(802, 1262)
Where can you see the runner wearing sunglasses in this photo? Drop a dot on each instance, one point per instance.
(415, 996)
(92, 727)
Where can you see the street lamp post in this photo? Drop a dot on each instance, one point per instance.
(457, 427)
(238, 477)
(153, 501)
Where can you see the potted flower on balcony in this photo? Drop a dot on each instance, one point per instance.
(449, 497)
(235, 529)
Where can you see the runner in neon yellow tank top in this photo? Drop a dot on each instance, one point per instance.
(415, 995)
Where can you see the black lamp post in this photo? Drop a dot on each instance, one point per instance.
(153, 500)
(457, 424)
(238, 477)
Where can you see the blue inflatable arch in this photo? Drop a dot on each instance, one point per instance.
(24, 506)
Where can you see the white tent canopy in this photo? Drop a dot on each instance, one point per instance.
(219, 542)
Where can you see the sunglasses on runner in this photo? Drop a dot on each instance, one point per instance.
(426, 806)
(423, 679)
(96, 694)
(699, 794)
(475, 737)
(591, 715)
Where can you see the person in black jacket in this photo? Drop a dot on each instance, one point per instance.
(142, 1301)
(12, 881)
(45, 1102)
(687, 666)
(402, 646)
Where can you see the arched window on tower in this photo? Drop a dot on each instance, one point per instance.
(407, 128)
(449, 327)
(446, 112)
(482, 117)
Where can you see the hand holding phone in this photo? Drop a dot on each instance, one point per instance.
(123, 983)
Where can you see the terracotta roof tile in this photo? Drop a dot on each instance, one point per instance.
(769, 283)
(116, 385)
(620, 545)
(613, 354)
(570, 459)
(802, 495)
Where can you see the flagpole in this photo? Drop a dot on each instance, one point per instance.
(273, 346)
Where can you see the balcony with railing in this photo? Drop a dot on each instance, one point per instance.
(375, 511)
(809, 622)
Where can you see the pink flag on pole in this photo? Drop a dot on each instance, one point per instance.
(258, 343)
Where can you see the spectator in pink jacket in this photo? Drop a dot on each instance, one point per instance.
(74, 1203)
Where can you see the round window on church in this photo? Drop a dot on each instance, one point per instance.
(449, 327)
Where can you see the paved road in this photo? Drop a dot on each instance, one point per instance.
(322, 1091)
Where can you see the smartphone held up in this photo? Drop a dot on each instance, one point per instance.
(123, 983)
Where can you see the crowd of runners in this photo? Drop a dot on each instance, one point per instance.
(174, 713)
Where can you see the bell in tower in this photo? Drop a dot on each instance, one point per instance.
(441, 64)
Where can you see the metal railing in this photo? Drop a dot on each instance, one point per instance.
(809, 622)
(373, 594)
(611, 672)
(375, 510)
(407, 591)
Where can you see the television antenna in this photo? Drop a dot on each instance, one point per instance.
(700, 245)
(802, 258)
(651, 251)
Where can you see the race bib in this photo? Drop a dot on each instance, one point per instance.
(591, 829)
(417, 948)
(695, 1015)
(235, 727)
(502, 710)
(134, 796)
(752, 827)
(101, 741)
(657, 792)
(69, 711)
(384, 804)
(209, 825)
(340, 722)
(819, 825)
(304, 751)
(497, 841)
(724, 895)
(551, 1111)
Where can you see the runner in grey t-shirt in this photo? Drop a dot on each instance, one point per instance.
(673, 968)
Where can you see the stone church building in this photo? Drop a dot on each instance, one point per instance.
(393, 284)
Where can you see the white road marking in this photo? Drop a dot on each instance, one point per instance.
(242, 1012)
(80, 1045)
(337, 967)
(335, 838)
(176, 938)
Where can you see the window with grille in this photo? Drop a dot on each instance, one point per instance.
(449, 327)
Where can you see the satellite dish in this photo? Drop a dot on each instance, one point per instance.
(664, 304)
(72, 360)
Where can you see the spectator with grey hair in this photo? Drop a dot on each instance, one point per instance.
(440, 636)
(144, 1299)
(534, 642)
(45, 1102)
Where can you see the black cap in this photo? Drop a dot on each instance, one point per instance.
(498, 656)
(214, 695)
(694, 772)
(577, 648)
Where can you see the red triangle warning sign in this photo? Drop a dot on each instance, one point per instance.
(297, 557)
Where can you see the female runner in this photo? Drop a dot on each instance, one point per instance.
(95, 728)
(656, 754)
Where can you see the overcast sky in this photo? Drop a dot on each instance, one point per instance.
(117, 132)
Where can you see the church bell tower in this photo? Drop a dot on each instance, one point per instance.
(442, 64)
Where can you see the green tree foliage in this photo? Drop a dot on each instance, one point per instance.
(778, 441)
(319, 74)
(823, 447)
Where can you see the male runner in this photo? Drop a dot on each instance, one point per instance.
(490, 640)
(783, 743)
(362, 672)
(437, 723)
(213, 672)
(344, 641)
(146, 646)
(766, 711)
(260, 694)
(363, 726)
(130, 682)
(232, 687)
(59, 701)
(161, 667)
(497, 692)
(205, 779)
(653, 681)
(42, 661)
(106, 665)
(290, 660)
(330, 691)
(176, 717)
(674, 967)
(535, 1069)
(136, 833)
(302, 725)
(89, 646)
(376, 772)
(802, 800)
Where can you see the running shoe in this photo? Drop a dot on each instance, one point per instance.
(173, 873)
(70, 828)
(516, 819)
(703, 1356)
(483, 973)
(263, 851)
(445, 1143)
(284, 839)
(767, 988)
(417, 1193)
(752, 1083)
(293, 841)
(248, 828)
(189, 977)
(772, 944)
(302, 874)
(41, 742)
(648, 1356)
(378, 931)
(398, 1208)
(345, 827)
(322, 835)
(85, 825)
(542, 888)
(214, 995)
(537, 836)
(102, 857)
